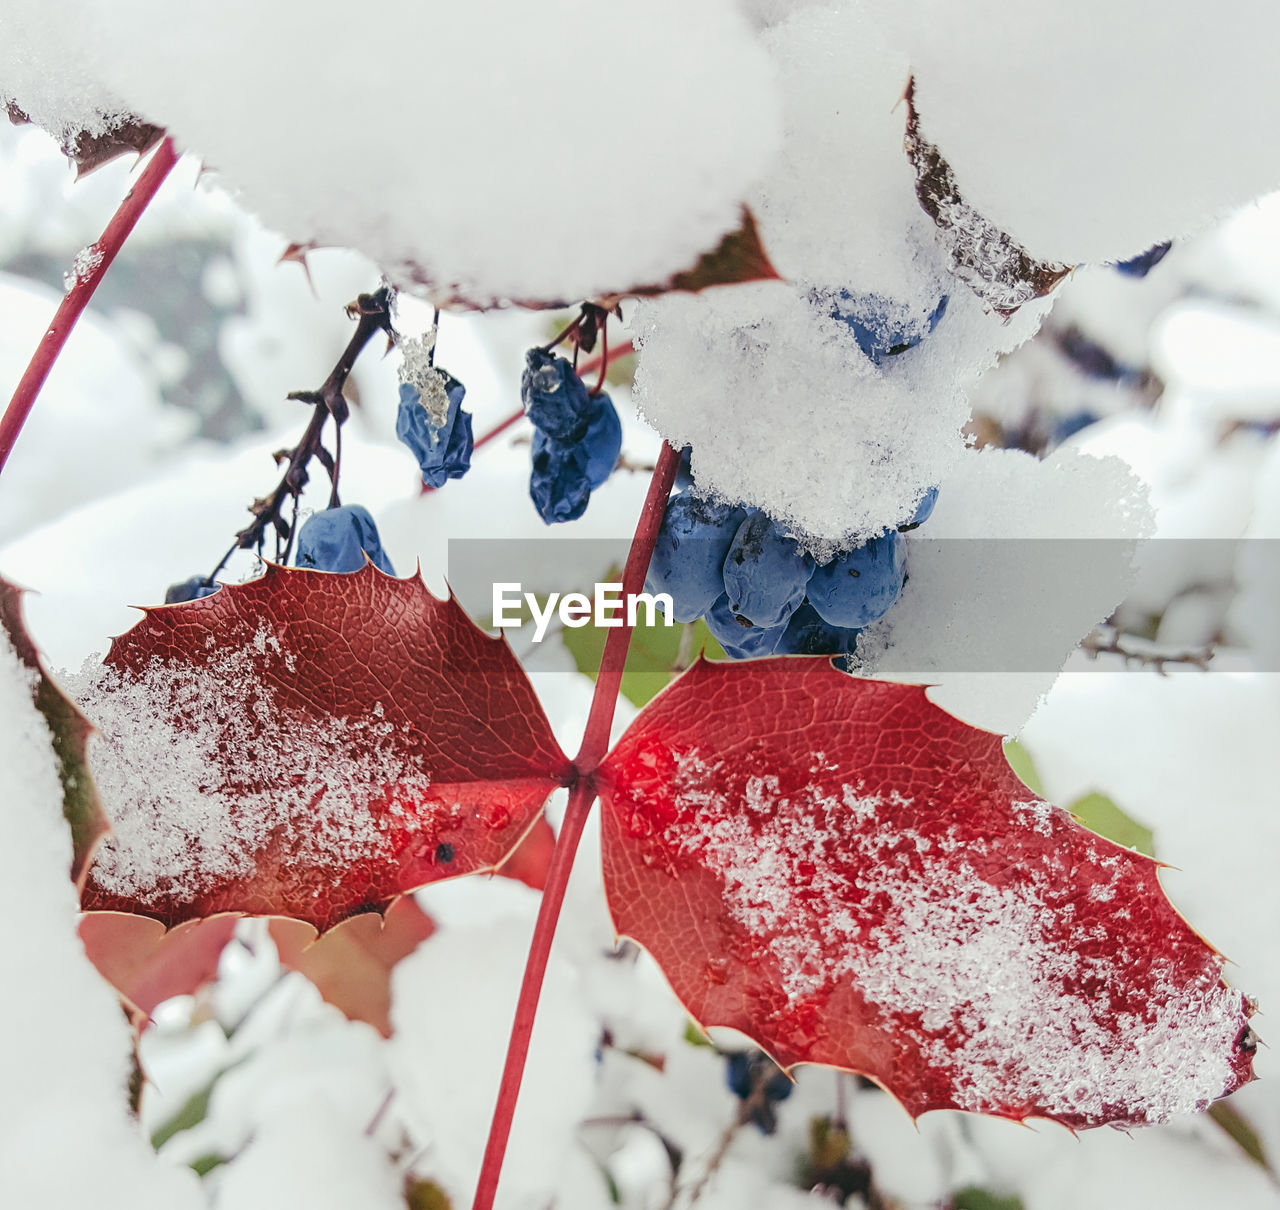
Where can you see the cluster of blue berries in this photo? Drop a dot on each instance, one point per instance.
(577, 436)
(443, 450)
(759, 593)
(882, 328)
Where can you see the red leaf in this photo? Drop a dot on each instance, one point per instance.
(531, 862)
(851, 876)
(310, 745)
(145, 964)
(351, 964)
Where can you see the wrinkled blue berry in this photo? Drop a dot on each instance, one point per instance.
(862, 586)
(337, 539)
(190, 590)
(883, 328)
(741, 640)
(443, 451)
(554, 397)
(603, 440)
(807, 634)
(560, 483)
(1144, 262)
(688, 556)
(764, 572)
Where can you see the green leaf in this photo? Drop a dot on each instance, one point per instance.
(1021, 763)
(695, 1037)
(1238, 1128)
(425, 1195)
(70, 730)
(973, 1198)
(1100, 814)
(202, 1165)
(651, 658)
(194, 1109)
(1096, 811)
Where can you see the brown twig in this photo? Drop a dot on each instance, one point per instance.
(373, 314)
(1107, 640)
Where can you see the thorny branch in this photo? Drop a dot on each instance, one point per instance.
(1108, 640)
(373, 314)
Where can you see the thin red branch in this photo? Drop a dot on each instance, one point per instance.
(575, 818)
(499, 429)
(595, 739)
(103, 252)
(595, 743)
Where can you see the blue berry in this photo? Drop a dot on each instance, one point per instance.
(924, 510)
(807, 634)
(764, 572)
(338, 539)
(560, 484)
(1092, 360)
(190, 590)
(688, 556)
(1069, 426)
(444, 451)
(883, 328)
(740, 640)
(684, 472)
(861, 586)
(603, 440)
(554, 397)
(1144, 262)
(747, 1071)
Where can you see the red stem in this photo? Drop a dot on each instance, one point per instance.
(498, 429)
(595, 743)
(595, 738)
(77, 298)
(575, 818)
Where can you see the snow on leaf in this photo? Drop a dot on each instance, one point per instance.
(127, 136)
(989, 261)
(70, 731)
(739, 257)
(309, 745)
(851, 876)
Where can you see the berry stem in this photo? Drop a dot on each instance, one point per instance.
(595, 743)
(82, 290)
(595, 739)
(575, 817)
(603, 361)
